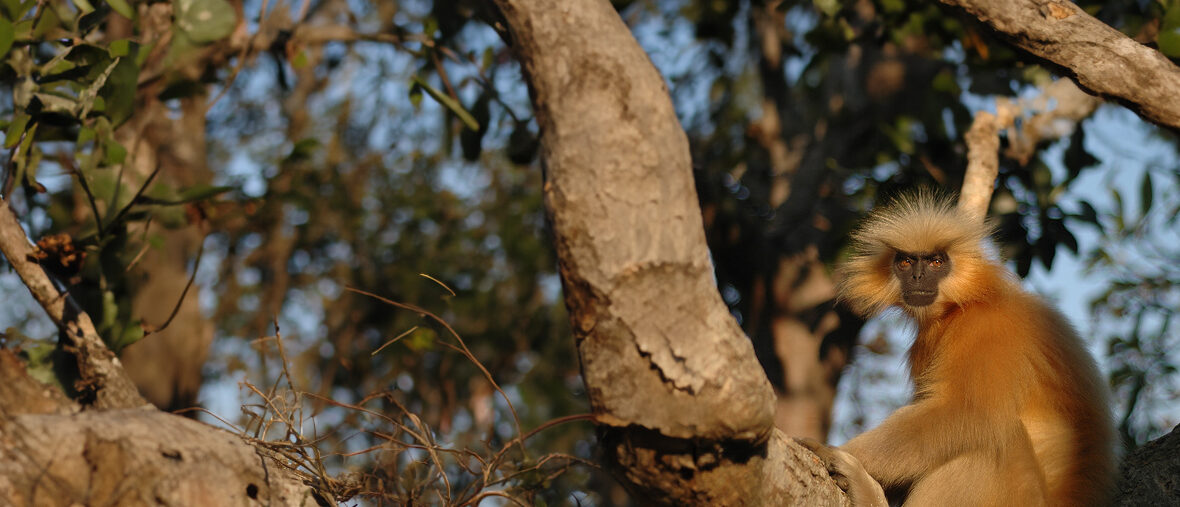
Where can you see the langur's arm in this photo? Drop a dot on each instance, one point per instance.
(976, 408)
(849, 474)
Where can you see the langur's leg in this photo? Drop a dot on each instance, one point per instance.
(987, 478)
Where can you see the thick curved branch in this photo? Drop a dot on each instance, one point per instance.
(685, 410)
(629, 232)
(102, 380)
(1101, 59)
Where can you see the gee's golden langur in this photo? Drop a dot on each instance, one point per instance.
(1008, 407)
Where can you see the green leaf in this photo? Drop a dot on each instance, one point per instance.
(83, 6)
(113, 152)
(1119, 210)
(300, 61)
(21, 157)
(121, 47)
(488, 59)
(7, 36)
(118, 94)
(1076, 157)
(181, 47)
(828, 7)
(56, 103)
(449, 103)
(31, 163)
(471, 141)
(56, 67)
(86, 98)
(415, 95)
(110, 311)
(1088, 214)
(122, 7)
(303, 150)
(1169, 43)
(37, 27)
(12, 136)
(205, 21)
(1171, 18)
(10, 9)
(893, 6)
(158, 195)
(422, 339)
(128, 335)
(202, 192)
(83, 62)
(39, 363)
(945, 82)
(1145, 194)
(522, 144)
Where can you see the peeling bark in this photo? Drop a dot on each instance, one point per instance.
(685, 412)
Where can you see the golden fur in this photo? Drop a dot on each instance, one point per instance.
(1009, 408)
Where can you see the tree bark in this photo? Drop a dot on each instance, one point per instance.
(983, 164)
(1101, 59)
(54, 454)
(685, 412)
(1150, 475)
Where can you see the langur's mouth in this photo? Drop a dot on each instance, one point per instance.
(919, 297)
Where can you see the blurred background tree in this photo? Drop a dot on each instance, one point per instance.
(226, 165)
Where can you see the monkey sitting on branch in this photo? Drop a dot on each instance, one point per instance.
(1008, 407)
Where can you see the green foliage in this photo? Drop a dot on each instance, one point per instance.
(330, 170)
(41, 361)
(1136, 311)
(7, 36)
(204, 21)
(72, 91)
(1169, 30)
(447, 101)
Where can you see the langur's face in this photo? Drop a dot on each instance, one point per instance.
(919, 274)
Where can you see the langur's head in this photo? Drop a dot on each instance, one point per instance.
(919, 252)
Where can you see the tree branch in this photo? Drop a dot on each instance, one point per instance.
(1101, 59)
(983, 164)
(685, 410)
(102, 381)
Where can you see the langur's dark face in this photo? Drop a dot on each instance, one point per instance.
(919, 274)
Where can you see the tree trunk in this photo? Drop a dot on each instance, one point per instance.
(685, 413)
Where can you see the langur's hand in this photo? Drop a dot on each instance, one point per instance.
(849, 474)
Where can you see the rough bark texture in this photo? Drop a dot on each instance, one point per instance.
(1100, 58)
(659, 348)
(54, 454)
(1150, 476)
(685, 411)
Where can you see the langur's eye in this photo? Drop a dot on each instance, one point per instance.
(936, 262)
(905, 263)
